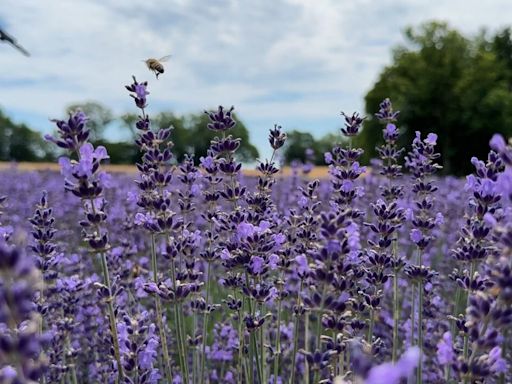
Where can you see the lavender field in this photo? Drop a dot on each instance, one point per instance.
(200, 274)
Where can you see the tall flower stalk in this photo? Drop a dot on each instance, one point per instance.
(84, 179)
(421, 163)
(157, 217)
(392, 193)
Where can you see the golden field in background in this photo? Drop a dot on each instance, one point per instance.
(318, 172)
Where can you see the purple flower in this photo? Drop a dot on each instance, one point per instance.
(439, 220)
(245, 230)
(445, 354)
(207, 162)
(8, 373)
(388, 373)
(257, 263)
(141, 91)
(390, 132)
(498, 143)
(352, 124)
(471, 183)
(431, 139)
(490, 219)
(496, 361)
(221, 120)
(302, 264)
(225, 255)
(273, 260)
(302, 202)
(149, 354)
(386, 113)
(416, 235)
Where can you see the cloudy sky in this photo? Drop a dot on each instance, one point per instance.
(293, 62)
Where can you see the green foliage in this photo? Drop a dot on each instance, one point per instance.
(445, 83)
(298, 142)
(20, 143)
(191, 135)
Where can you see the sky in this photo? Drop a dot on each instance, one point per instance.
(296, 63)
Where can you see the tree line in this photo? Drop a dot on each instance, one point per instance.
(457, 86)
(189, 135)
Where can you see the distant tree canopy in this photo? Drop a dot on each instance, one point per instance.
(446, 83)
(19, 143)
(191, 135)
(297, 144)
(442, 82)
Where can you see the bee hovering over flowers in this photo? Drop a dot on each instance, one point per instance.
(156, 66)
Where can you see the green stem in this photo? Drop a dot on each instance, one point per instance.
(181, 361)
(181, 343)
(413, 314)
(159, 316)
(466, 336)
(370, 326)
(205, 322)
(504, 352)
(396, 315)
(241, 366)
(278, 336)
(179, 332)
(306, 345)
(296, 336)
(420, 331)
(251, 359)
(74, 379)
(255, 348)
(112, 316)
(262, 349)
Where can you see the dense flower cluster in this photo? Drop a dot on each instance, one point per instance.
(196, 273)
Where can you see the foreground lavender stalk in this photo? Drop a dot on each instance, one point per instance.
(390, 155)
(84, 179)
(152, 182)
(421, 162)
(266, 279)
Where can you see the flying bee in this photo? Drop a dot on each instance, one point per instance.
(156, 66)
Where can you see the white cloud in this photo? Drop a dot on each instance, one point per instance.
(277, 61)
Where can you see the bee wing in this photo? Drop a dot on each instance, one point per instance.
(165, 58)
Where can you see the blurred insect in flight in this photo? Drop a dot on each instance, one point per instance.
(156, 66)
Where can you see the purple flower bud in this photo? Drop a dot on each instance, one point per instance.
(498, 143)
(352, 124)
(257, 263)
(445, 354)
(390, 132)
(416, 235)
(302, 264)
(431, 139)
(389, 373)
(496, 361)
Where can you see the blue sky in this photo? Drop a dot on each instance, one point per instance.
(297, 63)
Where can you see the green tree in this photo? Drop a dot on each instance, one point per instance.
(298, 142)
(446, 83)
(19, 143)
(201, 136)
(191, 135)
(296, 145)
